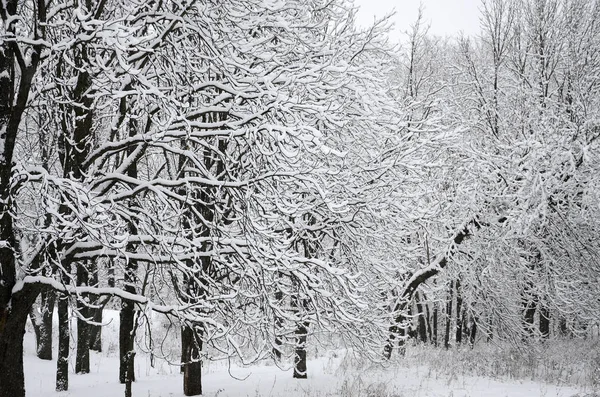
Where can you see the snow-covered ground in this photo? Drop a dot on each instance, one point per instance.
(335, 374)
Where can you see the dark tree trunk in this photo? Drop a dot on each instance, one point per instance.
(397, 333)
(129, 374)
(544, 322)
(459, 313)
(14, 95)
(82, 360)
(186, 341)
(127, 316)
(126, 342)
(529, 310)
(64, 335)
(435, 324)
(12, 330)
(408, 328)
(449, 315)
(192, 365)
(299, 306)
(473, 332)
(389, 346)
(62, 363)
(300, 368)
(111, 273)
(95, 311)
(278, 324)
(96, 330)
(42, 324)
(422, 322)
(428, 323)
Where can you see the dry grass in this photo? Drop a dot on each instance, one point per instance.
(560, 362)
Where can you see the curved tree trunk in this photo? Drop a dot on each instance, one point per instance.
(419, 277)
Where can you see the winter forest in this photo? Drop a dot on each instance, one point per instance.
(202, 192)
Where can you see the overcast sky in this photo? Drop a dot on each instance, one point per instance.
(447, 17)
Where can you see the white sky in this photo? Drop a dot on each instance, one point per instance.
(446, 17)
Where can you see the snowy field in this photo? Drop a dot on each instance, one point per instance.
(332, 374)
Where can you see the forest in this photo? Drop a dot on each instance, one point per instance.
(252, 178)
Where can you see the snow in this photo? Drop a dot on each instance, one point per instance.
(332, 374)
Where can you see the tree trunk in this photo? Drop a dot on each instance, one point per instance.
(435, 324)
(428, 320)
(409, 329)
(95, 331)
(300, 370)
(186, 341)
(126, 342)
(15, 86)
(62, 363)
(127, 315)
(42, 324)
(473, 332)
(459, 313)
(397, 332)
(278, 324)
(422, 320)
(544, 322)
(529, 310)
(82, 360)
(12, 330)
(449, 315)
(192, 366)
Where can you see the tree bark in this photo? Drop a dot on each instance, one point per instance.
(62, 363)
(529, 309)
(422, 319)
(459, 313)
(127, 316)
(126, 342)
(435, 324)
(544, 321)
(192, 365)
(300, 367)
(12, 331)
(278, 324)
(82, 360)
(299, 306)
(449, 315)
(473, 332)
(42, 324)
(95, 331)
